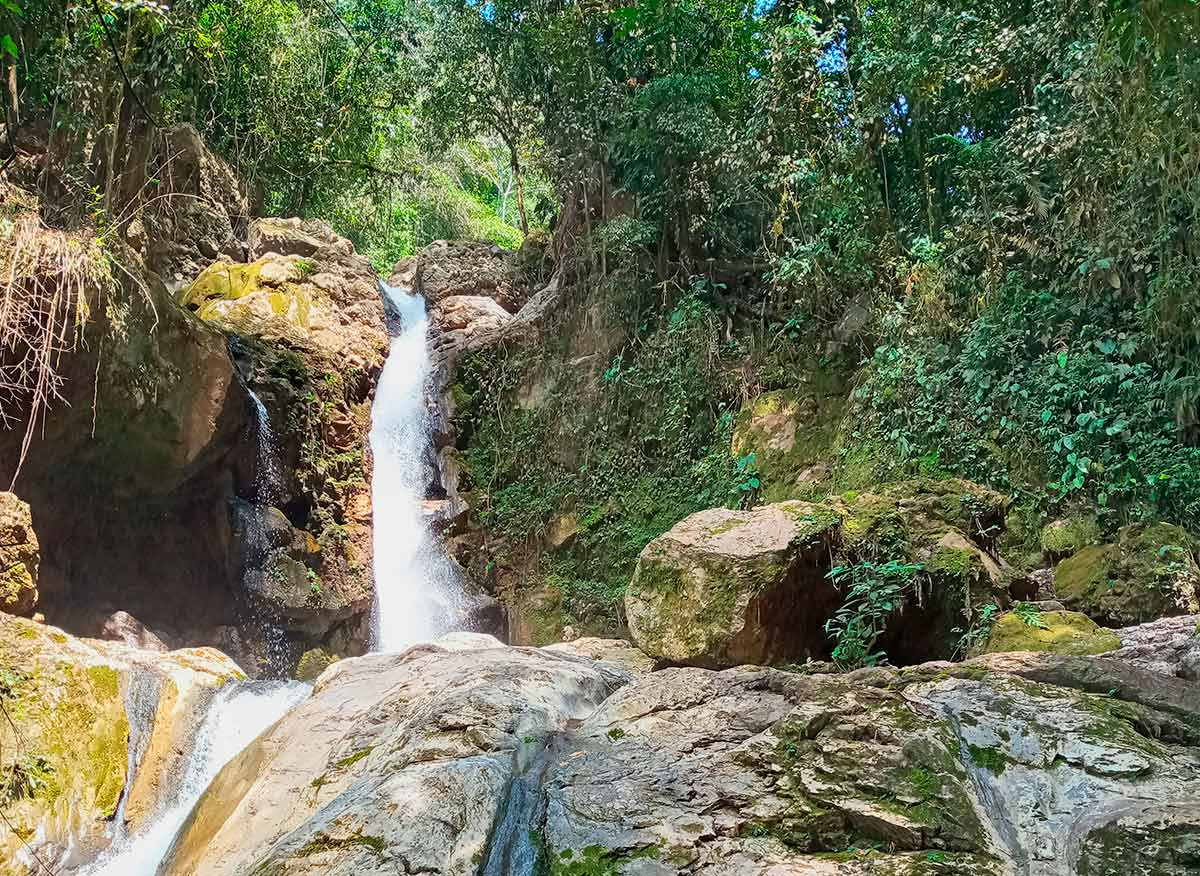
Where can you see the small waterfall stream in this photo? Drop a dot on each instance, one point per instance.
(416, 592)
(417, 598)
(238, 713)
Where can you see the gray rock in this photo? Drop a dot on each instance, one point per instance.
(395, 765)
(1169, 646)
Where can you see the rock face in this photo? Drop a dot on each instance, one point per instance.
(397, 764)
(311, 338)
(255, 391)
(75, 708)
(19, 556)
(791, 434)
(466, 757)
(726, 587)
(1057, 632)
(1149, 572)
(449, 268)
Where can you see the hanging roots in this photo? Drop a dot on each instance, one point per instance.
(49, 282)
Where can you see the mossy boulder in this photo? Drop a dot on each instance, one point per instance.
(724, 587)
(1062, 538)
(791, 435)
(19, 556)
(1149, 572)
(1055, 632)
(70, 713)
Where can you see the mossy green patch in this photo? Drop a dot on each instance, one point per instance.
(1060, 632)
(323, 843)
(1062, 538)
(354, 758)
(596, 860)
(989, 758)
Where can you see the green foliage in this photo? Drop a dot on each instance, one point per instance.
(873, 593)
(650, 447)
(1029, 615)
(977, 633)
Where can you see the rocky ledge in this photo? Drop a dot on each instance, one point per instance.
(466, 756)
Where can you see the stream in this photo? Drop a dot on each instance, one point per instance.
(237, 714)
(416, 592)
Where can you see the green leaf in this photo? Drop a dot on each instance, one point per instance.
(8, 47)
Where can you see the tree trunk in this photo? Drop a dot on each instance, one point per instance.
(516, 169)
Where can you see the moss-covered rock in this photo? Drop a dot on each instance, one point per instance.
(64, 742)
(791, 435)
(1149, 572)
(19, 556)
(1062, 538)
(725, 587)
(1056, 632)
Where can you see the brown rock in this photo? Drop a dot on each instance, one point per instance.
(19, 557)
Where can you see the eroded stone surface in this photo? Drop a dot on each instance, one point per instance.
(396, 764)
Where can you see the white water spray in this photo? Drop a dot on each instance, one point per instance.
(237, 715)
(416, 592)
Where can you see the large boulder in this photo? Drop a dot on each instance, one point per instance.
(75, 710)
(19, 556)
(726, 587)
(1149, 572)
(398, 763)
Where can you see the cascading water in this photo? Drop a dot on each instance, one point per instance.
(237, 715)
(416, 591)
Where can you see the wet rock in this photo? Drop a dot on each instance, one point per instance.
(1057, 632)
(396, 764)
(74, 711)
(19, 557)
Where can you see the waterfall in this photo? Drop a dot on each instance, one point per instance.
(416, 590)
(238, 713)
(267, 477)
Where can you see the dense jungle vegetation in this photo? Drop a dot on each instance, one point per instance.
(976, 221)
